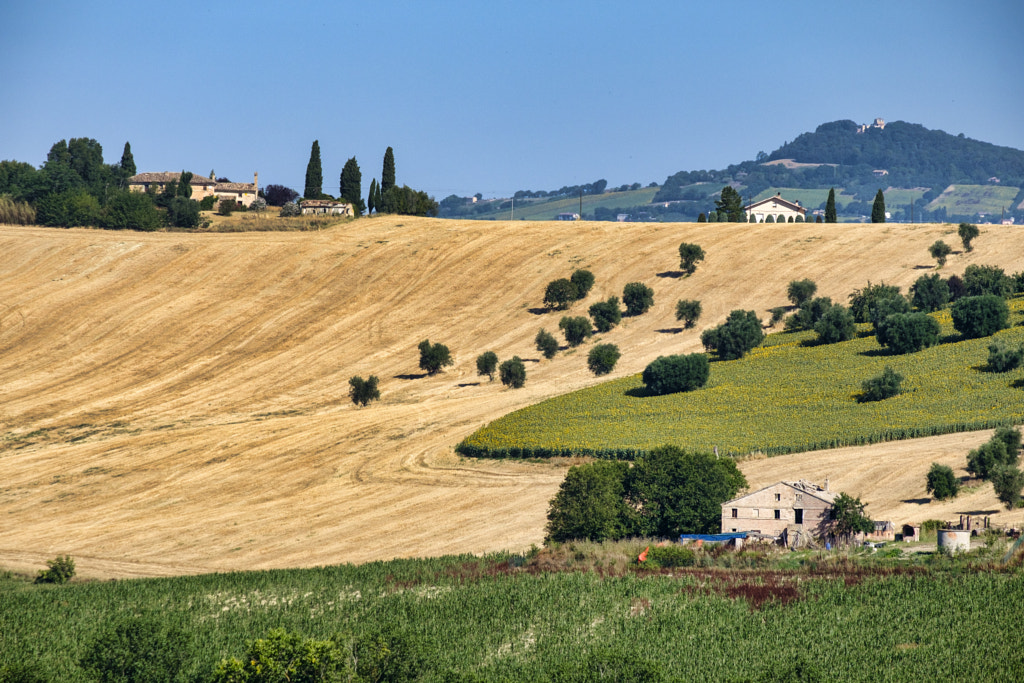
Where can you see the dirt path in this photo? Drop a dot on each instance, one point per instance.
(173, 403)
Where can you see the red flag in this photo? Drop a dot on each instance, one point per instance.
(643, 555)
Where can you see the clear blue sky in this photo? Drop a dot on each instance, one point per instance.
(497, 96)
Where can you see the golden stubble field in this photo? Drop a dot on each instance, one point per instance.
(176, 403)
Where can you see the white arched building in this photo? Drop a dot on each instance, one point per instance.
(778, 208)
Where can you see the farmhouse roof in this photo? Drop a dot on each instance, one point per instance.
(795, 206)
(167, 177)
(320, 202)
(803, 486)
(235, 187)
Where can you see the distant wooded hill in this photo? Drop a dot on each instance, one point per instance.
(945, 177)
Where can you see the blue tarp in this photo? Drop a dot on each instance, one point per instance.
(712, 538)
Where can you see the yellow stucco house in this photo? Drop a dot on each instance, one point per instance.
(202, 187)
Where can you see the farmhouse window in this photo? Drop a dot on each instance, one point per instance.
(778, 496)
(735, 513)
(778, 514)
(799, 516)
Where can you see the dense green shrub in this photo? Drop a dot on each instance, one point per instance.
(688, 311)
(1002, 449)
(513, 373)
(980, 316)
(140, 650)
(590, 504)
(930, 292)
(576, 329)
(606, 314)
(363, 391)
(1007, 481)
(582, 280)
(546, 344)
(881, 387)
(778, 313)
(602, 358)
(433, 357)
(672, 374)
(862, 301)
(487, 363)
(941, 482)
(849, 517)
(980, 280)
(809, 314)
(227, 206)
(284, 656)
(672, 555)
(908, 332)
(559, 294)
(290, 209)
(638, 298)
(836, 325)
(1002, 357)
(689, 256)
(957, 290)
(801, 291)
(740, 332)
(58, 570)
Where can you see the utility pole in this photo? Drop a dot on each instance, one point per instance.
(581, 203)
(513, 209)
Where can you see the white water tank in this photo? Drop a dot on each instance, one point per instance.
(954, 540)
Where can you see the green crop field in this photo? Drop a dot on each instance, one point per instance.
(545, 210)
(503, 618)
(966, 200)
(785, 396)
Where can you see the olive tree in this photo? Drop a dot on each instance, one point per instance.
(559, 294)
(513, 373)
(434, 357)
(546, 344)
(881, 387)
(575, 329)
(602, 358)
(363, 391)
(638, 298)
(606, 314)
(980, 316)
(941, 482)
(582, 280)
(800, 291)
(740, 332)
(688, 311)
(672, 374)
(836, 325)
(689, 256)
(486, 364)
(939, 251)
(930, 293)
(967, 232)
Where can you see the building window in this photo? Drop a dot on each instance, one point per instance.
(757, 512)
(778, 496)
(799, 516)
(778, 514)
(735, 513)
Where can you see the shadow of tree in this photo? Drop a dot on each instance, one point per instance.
(411, 376)
(671, 273)
(538, 311)
(640, 392)
(670, 330)
(468, 384)
(917, 501)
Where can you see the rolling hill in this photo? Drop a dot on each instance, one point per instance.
(177, 403)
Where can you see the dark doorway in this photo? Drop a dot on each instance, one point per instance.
(799, 516)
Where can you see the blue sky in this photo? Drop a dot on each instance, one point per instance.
(498, 96)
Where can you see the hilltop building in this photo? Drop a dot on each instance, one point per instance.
(202, 187)
(879, 124)
(778, 208)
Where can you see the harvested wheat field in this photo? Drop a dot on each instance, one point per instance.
(177, 403)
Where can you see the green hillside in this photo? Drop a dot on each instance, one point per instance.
(788, 395)
(974, 199)
(547, 209)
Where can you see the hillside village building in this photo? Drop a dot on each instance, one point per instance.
(774, 509)
(202, 187)
(781, 210)
(325, 206)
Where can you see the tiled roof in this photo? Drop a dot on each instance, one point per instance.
(166, 177)
(235, 187)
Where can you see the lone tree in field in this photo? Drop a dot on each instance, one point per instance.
(351, 186)
(582, 280)
(740, 332)
(638, 298)
(58, 570)
(830, 206)
(363, 391)
(559, 294)
(941, 482)
(314, 174)
(513, 373)
(672, 374)
(387, 176)
(939, 251)
(878, 208)
(602, 358)
(576, 329)
(433, 357)
(546, 344)
(881, 387)
(967, 232)
(688, 311)
(801, 291)
(606, 314)
(689, 256)
(486, 364)
(1002, 357)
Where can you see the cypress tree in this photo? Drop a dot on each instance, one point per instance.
(314, 174)
(371, 197)
(878, 208)
(351, 186)
(387, 178)
(127, 161)
(830, 206)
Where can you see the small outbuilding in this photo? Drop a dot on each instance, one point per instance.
(781, 210)
(325, 207)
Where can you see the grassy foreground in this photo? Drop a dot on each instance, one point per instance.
(789, 395)
(550, 615)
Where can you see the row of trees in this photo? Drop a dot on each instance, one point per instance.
(383, 197)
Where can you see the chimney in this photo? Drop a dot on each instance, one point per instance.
(826, 484)
(256, 181)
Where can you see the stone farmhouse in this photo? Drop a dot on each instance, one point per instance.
(781, 210)
(774, 509)
(325, 207)
(202, 187)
